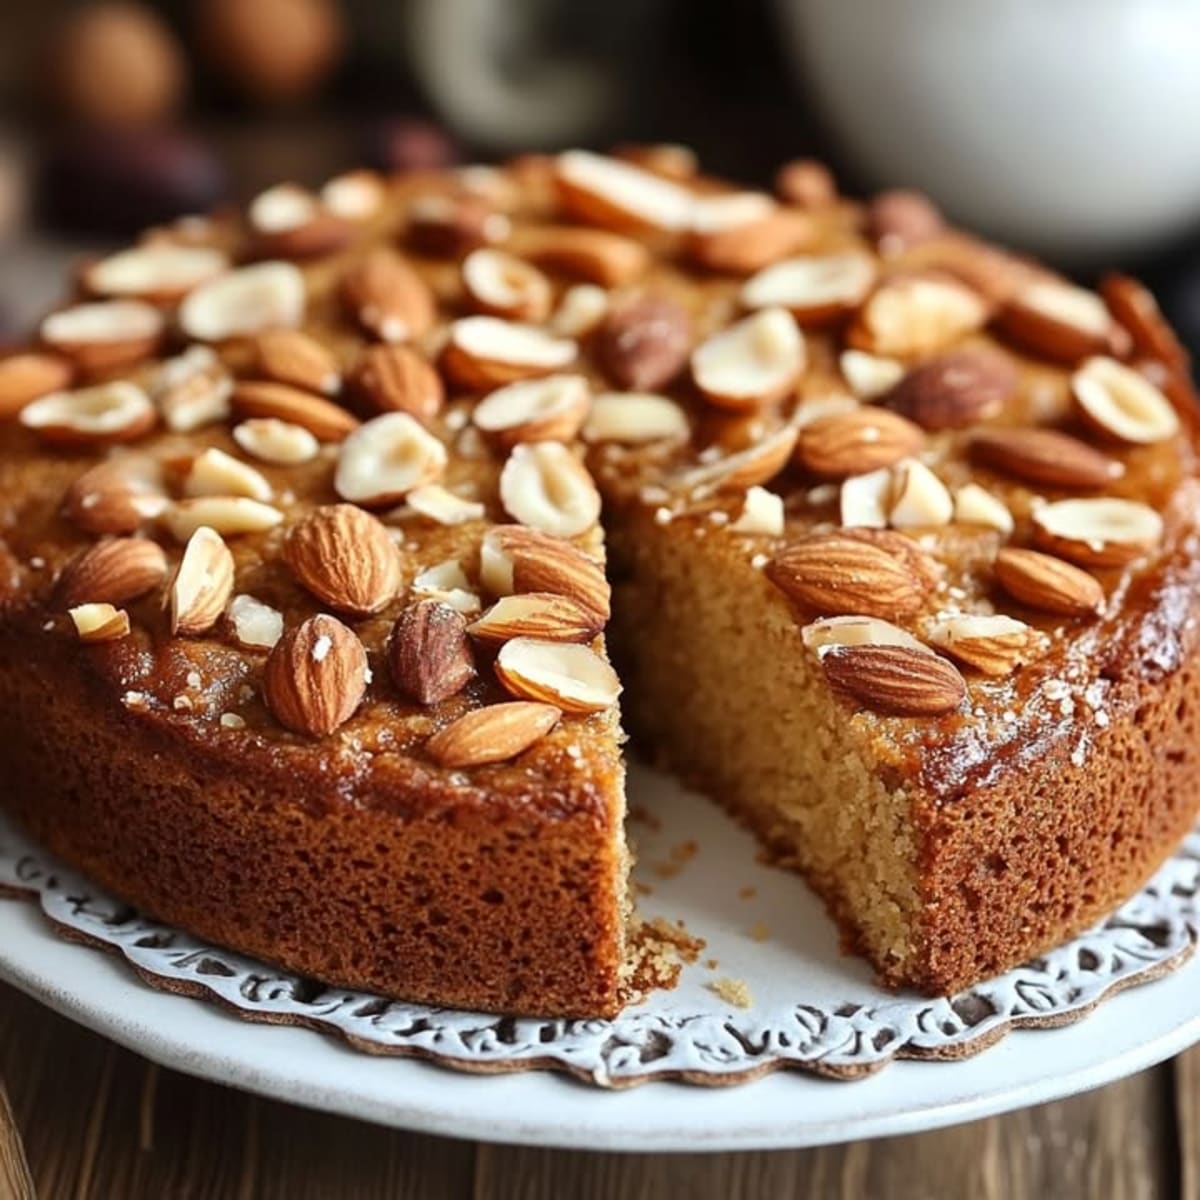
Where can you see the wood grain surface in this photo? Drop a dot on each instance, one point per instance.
(95, 1122)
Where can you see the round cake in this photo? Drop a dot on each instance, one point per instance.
(315, 518)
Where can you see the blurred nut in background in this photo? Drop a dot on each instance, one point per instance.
(411, 144)
(117, 64)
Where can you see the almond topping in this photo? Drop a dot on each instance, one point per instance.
(869, 375)
(754, 362)
(901, 219)
(1135, 307)
(322, 418)
(113, 571)
(864, 499)
(543, 485)
(386, 458)
(741, 238)
(974, 505)
(1122, 403)
(572, 677)
(857, 442)
(1103, 532)
(256, 626)
(108, 412)
(118, 495)
(493, 734)
(994, 645)
(762, 513)
(956, 389)
(644, 343)
(267, 295)
(289, 356)
(833, 573)
(581, 310)
(757, 464)
(609, 192)
(1058, 321)
(156, 271)
(895, 680)
(397, 379)
(193, 390)
(600, 257)
(506, 286)
(919, 498)
(832, 633)
(813, 289)
(99, 622)
(1047, 583)
(26, 377)
(280, 443)
(289, 222)
(315, 676)
(388, 298)
(515, 559)
(543, 615)
(635, 418)
(450, 225)
(534, 410)
(448, 583)
(214, 473)
(806, 183)
(104, 335)
(917, 315)
(354, 195)
(201, 585)
(1045, 456)
(435, 502)
(228, 515)
(485, 352)
(346, 558)
(428, 652)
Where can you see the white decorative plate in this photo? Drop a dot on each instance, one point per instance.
(812, 1009)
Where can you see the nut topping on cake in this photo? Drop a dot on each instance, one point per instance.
(543, 485)
(289, 356)
(106, 412)
(113, 571)
(397, 379)
(896, 680)
(901, 219)
(104, 335)
(228, 515)
(387, 297)
(992, 644)
(492, 734)
(1045, 456)
(99, 622)
(428, 653)
(255, 625)
(1121, 403)
(644, 343)
(503, 285)
(814, 289)
(832, 633)
(315, 676)
(201, 585)
(743, 246)
(25, 377)
(856, 442)
(534, 410)
(545, 615)
(117, 495)
(617, 194)
(870, 375)
(271, 440)
(268, 295)
(975, 505)
(214, 473)
(1102, 532)
(321, 417)
(158, 272)
(1058, 321)
(956, 389)
(346, 558)
(594, 255)
(570, 676)
(515, 559)
(919, 498)
(917, 314)
(1047, 583)
(485, 352)
(386, 458)
(753, 363)
(192, 390)
(635, 418)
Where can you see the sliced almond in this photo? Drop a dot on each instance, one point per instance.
(346, 558)
(387, 297)
(316, 676)
(914, 315)
(870, 375)
(581, 310)
(1045, 456)
(815, 288)
(201, 585)
(534, 410)
(289, 356)
(895, 680)
(515, 559)
(492, 734)
(156, 271)
(993, 644)
(832, 633)
(27, 377)
(118, 495)
(864, 500)
(443, 506)
(322, 418)
(428, 652)
(644, 342)
(600, 257)
(228, 515)
(503, 285)
(919, 498)
(1122, 403)
(255, 625)
(485, 352)
(267, 295)
(975, 505)
(113, 571)
(739, 240)
(214, 473)
(397, 379)
(1057, 320)
(447, 583)
(543, 485)
(290, 222)
(192, 390)
(386, 458)
(1101, 532)
(572, 677)
(99, 622)
(107, 412)
(754, 362)
(451, 225)
(635, 418)
(606, 191)
(857, 442)
(832, 573)
(544, 615)
(756, 464)
(280, 443)
(354, 195)
(1047, 583)
(956, 389)
(762, 514)
(104, 335)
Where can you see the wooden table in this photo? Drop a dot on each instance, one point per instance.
(84, 1119)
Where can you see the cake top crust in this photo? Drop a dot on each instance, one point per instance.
(321, 480)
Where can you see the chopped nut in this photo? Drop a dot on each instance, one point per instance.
(635, 418)
(754, 362)
(814, 289)
(762, 513)
(386, 458)
(543, 485)
(99, 622)
(266, 295)
(974, 505)
(570, 676)
(256, 626)
(274, 441)
(1122, 403)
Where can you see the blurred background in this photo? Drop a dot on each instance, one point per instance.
(1066, 128)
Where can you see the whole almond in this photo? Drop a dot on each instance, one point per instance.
(289, 356)
(544, 615)
(516, 559)
(117, 495)
(645, 343)
(315, 677)
(895, 680)
(855, 442)
(322, 418)
(1134, 307)
(833, 574)
(387, 297)
(595, 255)
(1045, 456)
(113, 571)
(1059, 321)
(448, 226)
(345, 557)
(993, 644)
(26, 377)
(568, 675)
(492, 734)
(429, 653)
(955, 389)
(1047, 583)
(397, 379)
(202, 583)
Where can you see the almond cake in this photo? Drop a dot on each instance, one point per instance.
(314, 517)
